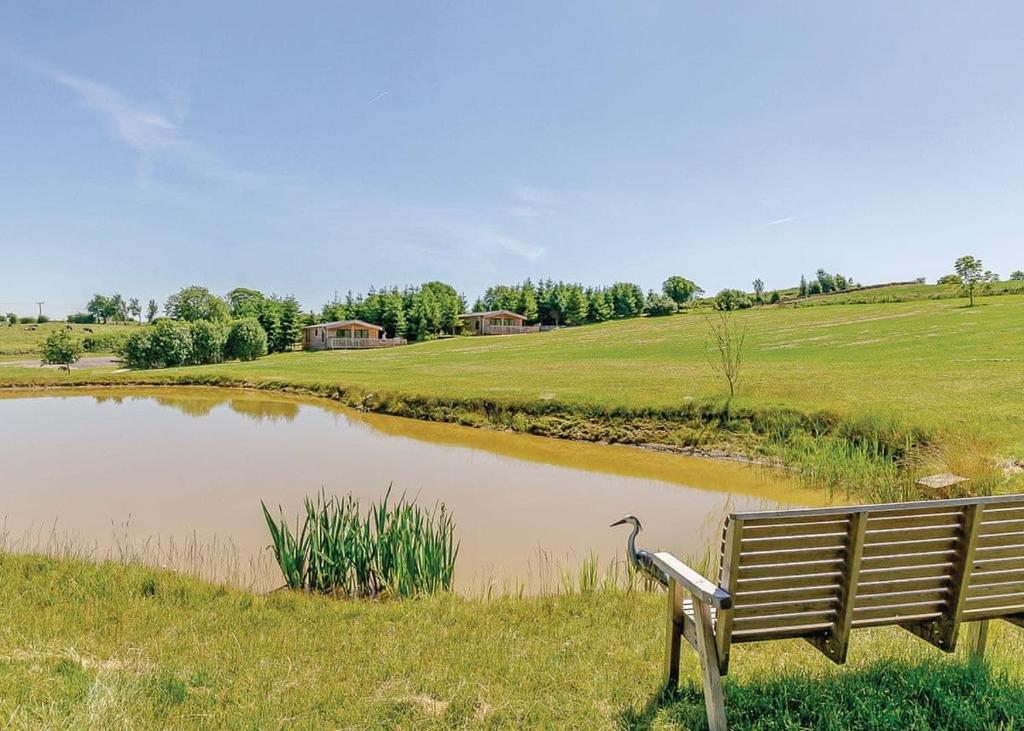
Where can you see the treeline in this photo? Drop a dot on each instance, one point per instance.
(564, 303)
(417, 313)
(824, 283)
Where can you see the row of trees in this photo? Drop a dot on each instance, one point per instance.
(418, 313)
(565, 303)
(825, 283)
(114, 308)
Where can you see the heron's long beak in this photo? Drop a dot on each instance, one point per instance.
(621, 521)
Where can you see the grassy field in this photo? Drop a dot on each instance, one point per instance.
(935, 363)
(111, 646)
(19, 341)
(908, 293)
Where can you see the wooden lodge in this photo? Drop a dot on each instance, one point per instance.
(346, 334)
(496, 322)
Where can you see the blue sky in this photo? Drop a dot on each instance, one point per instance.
(335, 146)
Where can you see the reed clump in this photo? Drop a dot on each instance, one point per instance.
(393, 549)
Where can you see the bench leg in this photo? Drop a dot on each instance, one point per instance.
(714, 699)
(977, 638)
(673, 634)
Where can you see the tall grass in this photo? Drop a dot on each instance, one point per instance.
(394, 549)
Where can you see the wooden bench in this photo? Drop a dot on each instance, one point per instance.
(820, 574)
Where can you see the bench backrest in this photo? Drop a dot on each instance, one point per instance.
(819, 574)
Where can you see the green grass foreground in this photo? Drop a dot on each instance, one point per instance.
(114, 646)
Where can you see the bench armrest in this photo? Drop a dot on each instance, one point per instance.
(693, 582)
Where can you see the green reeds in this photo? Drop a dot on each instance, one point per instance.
(394, 549)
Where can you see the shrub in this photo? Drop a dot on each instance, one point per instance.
(27, 320)
(61, 349)
(11, 318)
(42, 319)
(81, 318)
(170, 344)
(659, 304)
(732, 299)
(774, 298)
(247, 340)
(208, 341)
(135, 350)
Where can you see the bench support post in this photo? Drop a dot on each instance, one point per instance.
(977, 638)
(707, 648)
(673, 634)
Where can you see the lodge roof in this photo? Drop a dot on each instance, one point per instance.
(344, 323)
(493, 313)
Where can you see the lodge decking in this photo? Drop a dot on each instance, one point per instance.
(347, 335)
(496, 322)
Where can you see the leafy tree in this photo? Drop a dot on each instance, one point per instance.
(152, 310)
(659, 304)
(12, 319)
(826, 281)
(196, 303)
(269, 318)
(774, 298)
(246, 340)
(135, 309)
(118, 308)
(209, 340)
(245, 302)
(814, 287)
(759, 289)
(60, 349)
(627, 300)
(527, 306)
(732, 299)
(680, 289)
(803, 286)
(971, 275)
(100, 307)
(1017, 276)
(599, 305)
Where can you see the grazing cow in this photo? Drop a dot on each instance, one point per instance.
(87, 329)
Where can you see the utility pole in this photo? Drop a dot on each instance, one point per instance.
(40, 305)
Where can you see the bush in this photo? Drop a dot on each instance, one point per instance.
(11, 318)
(27, 320)
(42, 319)
(208, 341)
(247, 340)
(81, 318)
(774, 299)
(732, 299)
(135, 350)
(659, 304)
(170, 344)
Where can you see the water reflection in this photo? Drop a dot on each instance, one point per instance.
(184, 464)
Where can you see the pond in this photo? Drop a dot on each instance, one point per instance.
(175, 477)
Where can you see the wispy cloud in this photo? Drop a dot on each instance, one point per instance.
(530, 202)
(779, 222)
(379, 96)
(482, 241)
(157, 135)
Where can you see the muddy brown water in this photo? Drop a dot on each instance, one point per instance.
(175, 477)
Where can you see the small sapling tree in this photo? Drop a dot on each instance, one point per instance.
(971, 275)
(61, 350)
(724, 348)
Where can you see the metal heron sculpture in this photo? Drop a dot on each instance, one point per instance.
(642, 560)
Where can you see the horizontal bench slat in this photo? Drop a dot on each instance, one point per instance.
(768, 609)
(991, 612)
(980, 578)
(922, 583)
(786, 530)
(987, 554)
(994, 527)
(830, 579)
(929, 558)
(742, 597)
(996, 540)
(779, 633)
(790, 569)
(917, 520)
(781, 621)
(889, 573)
(993, 513)
(903, 548)
(822, 540)
(1012, 598)
(799, 555)
(898, 535)
(902, 619)
(900, 597)
(900, 609)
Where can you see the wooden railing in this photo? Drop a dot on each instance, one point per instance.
(510, 329)
(347, 343)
